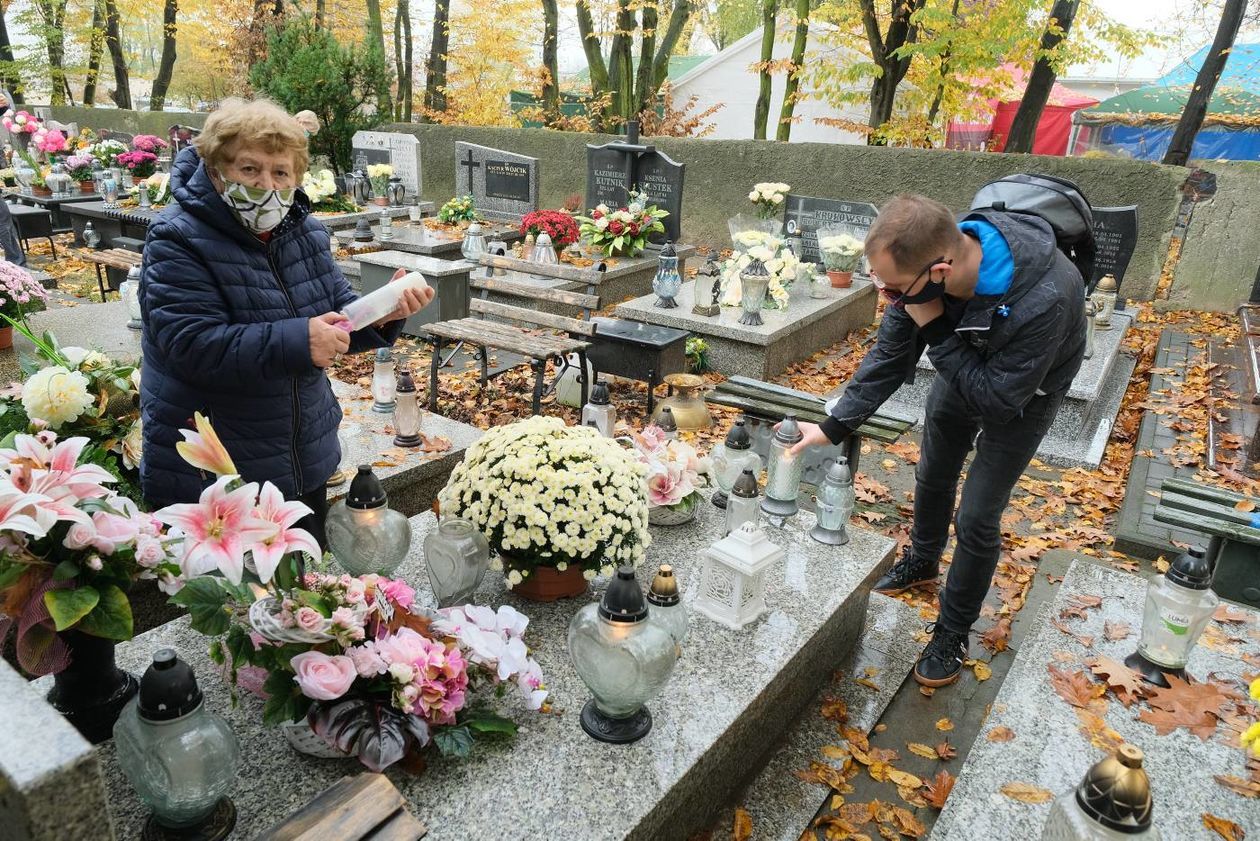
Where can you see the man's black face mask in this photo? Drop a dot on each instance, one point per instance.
(931, 290)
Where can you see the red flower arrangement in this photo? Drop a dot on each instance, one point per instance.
(141, 164)
(560, 226)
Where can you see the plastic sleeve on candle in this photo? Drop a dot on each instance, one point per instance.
(374, 306)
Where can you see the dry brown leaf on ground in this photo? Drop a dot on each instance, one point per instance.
(1000, 734)
(823, 774)
(1245, 505)
(908, 450)
(903, 778)
(907, 824)
(834, 709)
(1116, 631)
(913, 796)
(1078, 604)
(937, 791)
(997, 638)
(980, 668)
(1194, 706)
(1027, 793)
(869, 684)
(946, 751)
(944, 724)
(1075, 687)
(743, 827)
(925, 751)
(1247, 788)
(1127, 684)
(1226, 613)
(1084, 639)
(1226, 829)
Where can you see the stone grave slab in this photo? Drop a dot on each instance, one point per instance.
(1050, 750)
(401, 151)
(786, 336)
(806, 214)
(731, 695)
(614, 169)
(1115, 238)
(413, 480)
(336, 222)
(418, 239)
(51, 786)
(504, 185)
(1079, 434)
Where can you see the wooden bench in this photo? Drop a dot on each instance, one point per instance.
(112, 258)
(771, 402)
(545, 335)
(1231, 522)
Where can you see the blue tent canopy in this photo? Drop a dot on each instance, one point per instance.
(1242, 70)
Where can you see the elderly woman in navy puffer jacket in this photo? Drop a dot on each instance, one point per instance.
(241, 302)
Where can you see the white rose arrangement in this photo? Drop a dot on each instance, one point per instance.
(550, 495)
(779, 260)
(768, 197)
(841, 252)
(319, 186)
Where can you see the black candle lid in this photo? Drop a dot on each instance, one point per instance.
(168, 689)
(738, 438)
(667, 250)
(745, 485)
(362, 231)
(1191, 570)
(623, 600)
(405, 382)
(599, 394)
(666, 420)
(1117, 793)
(366, 490)
(383, 355)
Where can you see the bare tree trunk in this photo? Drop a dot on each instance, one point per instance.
(122, 81)
(677, 23)
(170, 13)
(644, 90)
(435, 69)
(95, 47)
(9, 76)
(794, 73)
(550, 57)
(901, 31)
(1193, 115)
(761, 115)
(621, 63)
(53, 15)
(1037, 93)
(319, 14)
(940, 89)
(376, 41)
(403, 60)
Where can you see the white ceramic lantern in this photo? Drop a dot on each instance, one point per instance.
(732, 583)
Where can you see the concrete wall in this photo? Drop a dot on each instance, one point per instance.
(132, 122)
(720, 173)
(1221, 251)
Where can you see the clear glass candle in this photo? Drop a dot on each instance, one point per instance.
(754, 284)
(741, 504)
(730, 459)
(667, 282)
(129, 291)
(665, 606)
(1105, 294)
(1112, 803)
(545, 250)
(365, 535)
(384, 381)
(387, 225)
(474, 243)
(1179, 604)
(834, 505)
(456, 557)
(783, 477)
(599, 410)
(406, 411)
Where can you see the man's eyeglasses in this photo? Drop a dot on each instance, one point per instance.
(896, 298)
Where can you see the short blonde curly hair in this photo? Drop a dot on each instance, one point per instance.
(261, 123)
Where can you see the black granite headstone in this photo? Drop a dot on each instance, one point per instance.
(614, 169)
(609, 176)
(806, 214)
(660, 179)
(1115, 238)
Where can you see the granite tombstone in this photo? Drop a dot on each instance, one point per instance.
(504, 185)
(1115, 238)
(804, 215)
(614, 169)
(401, 151)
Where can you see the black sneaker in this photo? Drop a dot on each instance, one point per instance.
(941, 662)
(906, 573)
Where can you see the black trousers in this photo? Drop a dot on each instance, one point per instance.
(1003, 450)
(317, 501)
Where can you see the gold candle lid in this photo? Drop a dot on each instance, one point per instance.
(664, 590)
(1108, 283)
(1116, 792)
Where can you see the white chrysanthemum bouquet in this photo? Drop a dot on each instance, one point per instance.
(841, 250)
(771, 250)
(768, 198)
(550, 495)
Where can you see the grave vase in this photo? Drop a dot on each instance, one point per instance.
(548, 584)
(92, 691)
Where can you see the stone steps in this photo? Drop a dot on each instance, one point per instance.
(731, 697)
(1078, 436)
(1049, 749)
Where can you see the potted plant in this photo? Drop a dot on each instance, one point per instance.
(139, 164)
(674, 471)
(71, 549)
(624, 231)
(458, 210)
(107, 152)
(841, 252)
(768, 198)
(18, 288)
(79, 167)
(559, 504)
(379, 175)
(50, 143)
(557, 224)
(149, 143)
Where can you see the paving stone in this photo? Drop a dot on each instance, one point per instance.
(1050, 751)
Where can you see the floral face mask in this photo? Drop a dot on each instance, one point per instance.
(256, 208)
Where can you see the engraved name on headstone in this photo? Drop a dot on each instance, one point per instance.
(806, 214)
(401, 151)
(1115, 239)
(504, 185)
(614, 169)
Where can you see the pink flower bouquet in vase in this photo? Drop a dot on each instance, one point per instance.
(349, 666)
(676, 473)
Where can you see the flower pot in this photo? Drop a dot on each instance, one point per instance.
(91, 691)
(380, 201)
(6, 337)
(88, 186)
(547, 584)
(839, 279)
(671, 515)
(37, 190)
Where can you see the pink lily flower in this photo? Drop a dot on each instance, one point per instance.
(219, 529)
(273, 509)
(203, 449)
(24, 512)
(61, 460)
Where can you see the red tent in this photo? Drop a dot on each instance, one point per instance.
(1052, 129)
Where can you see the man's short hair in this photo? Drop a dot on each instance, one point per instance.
(914, 229)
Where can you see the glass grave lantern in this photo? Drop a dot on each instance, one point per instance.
(1179, 604)
(386, 224)
(58, 181)
(396, 191)
(110, 185)
(707, 285)
(98, 175)
(1105, 295)
(359, 187)
(544, 250)
(742, 502)
(665, 607)
(1091, 311)
(730, 459)
(624, 660)
(783, 474)
(90, 236)
(667, 281)
(416, 214)
(665, 420)
(834, 505)
(733, 579)
(384, 381)
(474, 244)
(143, 199)
(179, 757)
(406, 411)
(599, 410)
(362, 239)
(456, 557)
(526, 248)
(1112, 803)
(365, 535)
(129, 291)
(754, 283)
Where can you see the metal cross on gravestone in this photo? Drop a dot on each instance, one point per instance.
(469, 164)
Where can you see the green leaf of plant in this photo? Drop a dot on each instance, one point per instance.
(453, 741)
(69, 606)
(65, 570)
(111, 618)
(285, 701)
(204, 599)
(10, 575)
(486, 723)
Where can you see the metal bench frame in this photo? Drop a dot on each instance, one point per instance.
(1233, 542)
